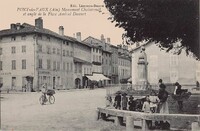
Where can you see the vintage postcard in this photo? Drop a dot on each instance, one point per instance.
(101, 65)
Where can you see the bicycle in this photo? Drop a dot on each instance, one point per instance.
(50, 98)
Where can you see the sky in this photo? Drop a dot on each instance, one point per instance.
(93, 23)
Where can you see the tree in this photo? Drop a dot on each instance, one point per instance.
(161, 21)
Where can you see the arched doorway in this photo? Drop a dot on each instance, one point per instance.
(78, 83)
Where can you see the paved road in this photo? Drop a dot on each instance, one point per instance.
(72, 111)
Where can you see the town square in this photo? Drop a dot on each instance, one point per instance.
(100, 66)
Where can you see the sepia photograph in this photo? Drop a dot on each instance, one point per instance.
(101, 65)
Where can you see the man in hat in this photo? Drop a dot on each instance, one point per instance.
(118, 101)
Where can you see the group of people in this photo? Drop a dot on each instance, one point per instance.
(155, 103)
(152, 103)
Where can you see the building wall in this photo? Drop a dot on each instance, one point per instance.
(60, 54)
(114, 63)
(7, 56)
(106, 64)
(82, 51)
(96, 57)
(124, 68)
(166, 66)
(78, 74)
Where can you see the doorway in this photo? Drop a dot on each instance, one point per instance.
(54, 82)
(13, 83)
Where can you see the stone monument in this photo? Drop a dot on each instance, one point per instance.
(142, 70)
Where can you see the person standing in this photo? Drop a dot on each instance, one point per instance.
(146, 105)
(163, 105)
(118, 101)
(131, 103)
(154, 100)
(108, 101)
(197, 84)
(44, 90)
(179, 92)
(146, 109)
(163, 95)
(124, 102)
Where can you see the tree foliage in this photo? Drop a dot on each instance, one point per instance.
(161, 21)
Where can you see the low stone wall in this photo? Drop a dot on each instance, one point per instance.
(190, 106)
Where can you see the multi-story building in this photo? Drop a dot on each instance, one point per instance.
(82, 61)
(32, 55)
(101, 56)
(124, 63)
(112, 55)
(167, 66)
(114, 64)
(106, 65)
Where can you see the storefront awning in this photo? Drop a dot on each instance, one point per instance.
(97, 77)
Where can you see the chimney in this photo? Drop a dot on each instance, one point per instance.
(39, 23)
(12, 26)
(61, 30)
(102, 38)
(108, 40)
(78, 36)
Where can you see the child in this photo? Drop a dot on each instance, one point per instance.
(154, 100)
(146, 109)
(108, 101)
(146, 105)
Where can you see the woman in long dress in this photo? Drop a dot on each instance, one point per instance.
(163, 104)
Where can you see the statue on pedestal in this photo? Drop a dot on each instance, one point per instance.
(142, 69)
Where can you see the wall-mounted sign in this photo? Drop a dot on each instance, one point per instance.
(44, 72)
(5, 73)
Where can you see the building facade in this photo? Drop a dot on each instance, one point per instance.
(116, 61)
(82, 62)
(101, 56)
(32, 55)
(167, 66)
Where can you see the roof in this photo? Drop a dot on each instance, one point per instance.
(27, 28)
(98, 45)
(131, 51)
(78, 60)
(80, 42)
